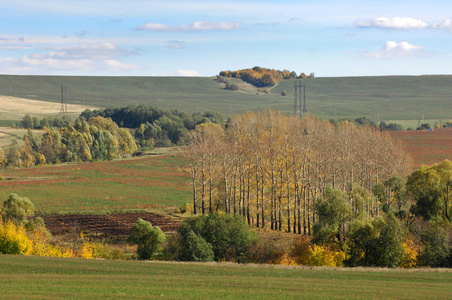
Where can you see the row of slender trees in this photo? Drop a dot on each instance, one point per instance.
(271, 167)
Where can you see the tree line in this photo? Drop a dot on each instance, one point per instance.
(270, 167)
(154, 126)
(94, 140)
(349, 188)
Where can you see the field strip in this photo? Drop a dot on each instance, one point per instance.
(13, 107)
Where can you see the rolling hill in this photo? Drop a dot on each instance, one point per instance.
(386, 97)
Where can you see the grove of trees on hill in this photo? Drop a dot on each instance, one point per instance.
(262, 77)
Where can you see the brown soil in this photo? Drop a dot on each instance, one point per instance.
(106, 225)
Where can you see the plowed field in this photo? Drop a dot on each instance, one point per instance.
(427, 147)
(106, 225)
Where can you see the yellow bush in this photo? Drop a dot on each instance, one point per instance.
(14, 240)
(99, 250)
(321, 256)
(88, 250)
(286, 260)
(409, 259)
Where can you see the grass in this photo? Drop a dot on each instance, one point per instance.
(146, 183)
(40, 277)
(397, 98)
(394, 97)
(185, 94)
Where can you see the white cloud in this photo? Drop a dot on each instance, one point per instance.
(76, 58)
(115, 65)
(396, 50)
(196, 26)
(447, 24)
(91, 51)
(392, 23)
(188, 73)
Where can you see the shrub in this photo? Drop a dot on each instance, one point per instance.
(262, 253)
(301, 250)
(195, 248)
(13, 239)
(147, 237)
(286, 260)
(228, 235)
(321, 256)
(409, 258)
(376, 243)
(18, 209)
(436, 249)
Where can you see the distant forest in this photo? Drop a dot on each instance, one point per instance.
(154, 126)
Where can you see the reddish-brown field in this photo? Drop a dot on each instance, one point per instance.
(106, 226)
(427, 147)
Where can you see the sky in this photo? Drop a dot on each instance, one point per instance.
(204, 37)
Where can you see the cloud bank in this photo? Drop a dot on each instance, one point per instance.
(401, 23)
(85, 57)
(392, 23)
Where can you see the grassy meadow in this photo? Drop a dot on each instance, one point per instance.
(42, 277)
(395, 98)
(146, 183)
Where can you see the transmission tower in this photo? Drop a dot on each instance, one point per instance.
(63, 99)
(299, 94)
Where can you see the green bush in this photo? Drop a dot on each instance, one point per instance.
(147, 237)
(376, 243)
(18, 209)
(195, 248)
(228, 235)
(436, 244)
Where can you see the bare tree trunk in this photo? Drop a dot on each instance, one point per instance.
(263, 203)
(257, 199)
(248, 217)
(203, 190)
(194, 196)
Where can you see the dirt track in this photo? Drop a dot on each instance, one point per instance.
(107, 225)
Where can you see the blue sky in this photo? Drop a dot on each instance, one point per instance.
(201, 38)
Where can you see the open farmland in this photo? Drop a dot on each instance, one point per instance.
(145, 183)
(13, 108)
(427, 147)
(37, 277)
(394, 97)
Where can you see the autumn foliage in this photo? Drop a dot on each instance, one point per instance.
(261, 77)
(271, 167)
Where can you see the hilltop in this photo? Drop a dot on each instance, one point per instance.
(385, 97)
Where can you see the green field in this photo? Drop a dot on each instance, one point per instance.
(392, 97)
(148, 183)
(40, 277)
